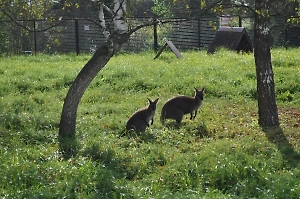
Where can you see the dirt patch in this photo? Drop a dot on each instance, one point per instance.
(290, 116)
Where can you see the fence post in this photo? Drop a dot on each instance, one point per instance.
(34, 35)
(155, 45)
(199, 32)
(77, 37)
(286, 37)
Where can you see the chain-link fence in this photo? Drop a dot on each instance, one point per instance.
(84, 35)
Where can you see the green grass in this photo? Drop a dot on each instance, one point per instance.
(223, 153)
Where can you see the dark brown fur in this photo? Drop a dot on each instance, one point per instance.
(140, 120)
(176, 107)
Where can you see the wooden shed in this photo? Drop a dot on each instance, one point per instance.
(235, 38)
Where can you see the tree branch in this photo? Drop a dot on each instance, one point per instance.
(48, 28)
(28, 29)
(102, 20)
(204, 11)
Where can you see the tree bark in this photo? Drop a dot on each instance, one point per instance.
(267, 108)
(78, 87)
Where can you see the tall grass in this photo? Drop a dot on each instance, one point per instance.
(223, 153)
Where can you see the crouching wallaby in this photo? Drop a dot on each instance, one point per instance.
(176, 107)
(140, 120)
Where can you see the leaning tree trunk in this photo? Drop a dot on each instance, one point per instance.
(87, 74)
(116, 36)
(267, 108)
(80, 84)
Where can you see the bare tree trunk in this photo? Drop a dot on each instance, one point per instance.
(267, 108)
(80, 84)
(87, 74)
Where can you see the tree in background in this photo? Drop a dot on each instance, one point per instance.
(29, 16)
(22, 13)
(73, 9)
(178, 9)
(141, 8)
(24, 9)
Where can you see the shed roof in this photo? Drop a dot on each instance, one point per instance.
(235, 38)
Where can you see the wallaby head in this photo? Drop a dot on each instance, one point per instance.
(178, 106)
(199, 93)
(140, 120)
(152, 104)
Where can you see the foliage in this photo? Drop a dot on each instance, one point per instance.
(192, 8)
(26, 10)
(294, 7)
(173, 8)
(223, 153)
(22, 13)
(139, 8)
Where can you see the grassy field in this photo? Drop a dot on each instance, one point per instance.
(223, 153)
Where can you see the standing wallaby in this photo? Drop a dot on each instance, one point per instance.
(176, 107)
(139, 121)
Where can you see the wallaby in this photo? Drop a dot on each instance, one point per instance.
(139, 120)
(176, 107)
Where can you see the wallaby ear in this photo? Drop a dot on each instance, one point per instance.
(155, 101)
(203, 89)
(196, 89)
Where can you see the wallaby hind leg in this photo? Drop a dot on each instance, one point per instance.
(193, 115)
(139, 126)
(178, 122)
(178, 117)
(163, 116)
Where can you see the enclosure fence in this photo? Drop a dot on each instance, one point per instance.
(84, 35)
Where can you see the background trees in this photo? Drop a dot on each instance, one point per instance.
(22, 13)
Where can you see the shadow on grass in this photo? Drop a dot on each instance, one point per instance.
(108, 168)
(106, 187)
(146, 136)
(276, 135)
(201, 131)
(120, 167)
(173, 125)
(68, 146)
